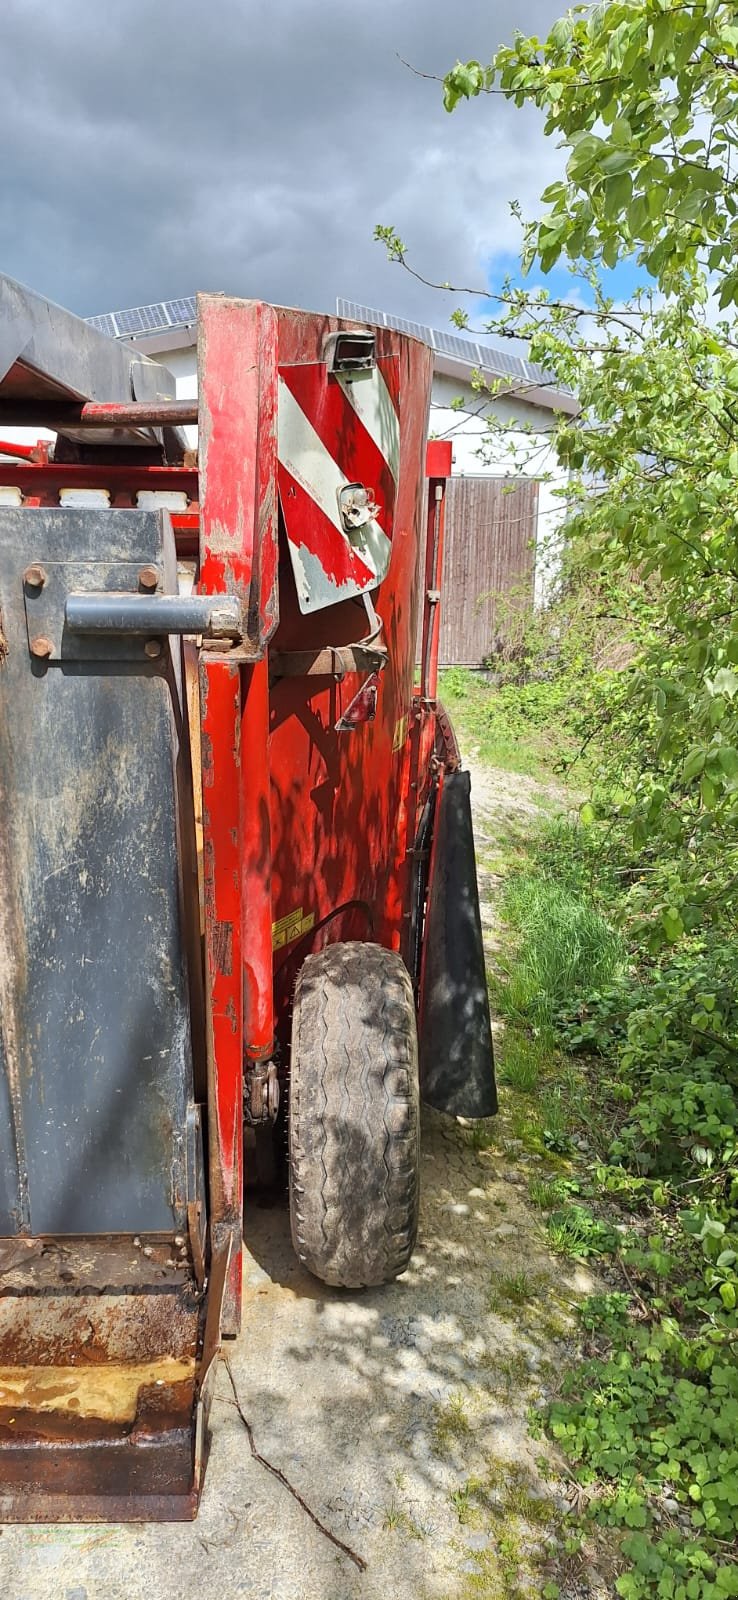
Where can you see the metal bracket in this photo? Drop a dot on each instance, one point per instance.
(332, 661)
(260, 1093)
(115, 610)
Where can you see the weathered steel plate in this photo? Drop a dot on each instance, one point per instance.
(95, 1050)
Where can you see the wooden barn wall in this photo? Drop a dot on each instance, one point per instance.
(489, 552)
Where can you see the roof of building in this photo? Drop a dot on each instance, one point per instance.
(455, 354)
(458, 355)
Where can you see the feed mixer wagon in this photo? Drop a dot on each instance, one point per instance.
(237, 886)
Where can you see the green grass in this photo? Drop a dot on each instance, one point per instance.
(563, 949)
(451, 1424)
(518, 728)
(573, 1231)
(522, 1062)
(511, 1289)
(549, 1192)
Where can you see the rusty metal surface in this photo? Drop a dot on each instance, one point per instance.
(95, 1053)
(107, 1265)
(70, 419)
(101, 1347)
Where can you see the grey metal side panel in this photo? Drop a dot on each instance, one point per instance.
(64, 350)
(94, 1020)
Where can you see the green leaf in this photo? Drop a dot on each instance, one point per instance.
(694, 764)
(672, 923)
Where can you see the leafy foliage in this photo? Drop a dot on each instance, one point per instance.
(649, 1418)
(645, 96)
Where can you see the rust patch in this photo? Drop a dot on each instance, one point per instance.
(109, 1392)
(101, 1346)
(3, 641)
(223, 947)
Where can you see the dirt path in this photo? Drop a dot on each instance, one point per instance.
(400, 1415)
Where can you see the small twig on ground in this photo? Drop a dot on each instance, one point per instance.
(644, 1308)
(277, 1473)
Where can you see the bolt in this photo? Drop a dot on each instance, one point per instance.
(41, 647)
(148, 578)
(152, 648)
(35, 577)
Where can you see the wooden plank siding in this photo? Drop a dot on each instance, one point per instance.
(489, 552)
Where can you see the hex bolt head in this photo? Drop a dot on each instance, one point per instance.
(152, 648)
(34, 576)
(41, 647)
(148, 578)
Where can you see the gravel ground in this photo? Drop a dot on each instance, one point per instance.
(399, 1415)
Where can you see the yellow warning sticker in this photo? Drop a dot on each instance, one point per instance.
(291, 927)
(400, 733)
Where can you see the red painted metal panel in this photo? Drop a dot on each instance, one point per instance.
(238, 445)
(342, 810)
(238, 533)
(434, 540)
(220, 702)
(56, 475)
(439, 458)
(256, 887)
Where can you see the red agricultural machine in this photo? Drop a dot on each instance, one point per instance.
(237, 882)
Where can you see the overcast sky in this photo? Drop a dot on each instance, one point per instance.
(156, 147)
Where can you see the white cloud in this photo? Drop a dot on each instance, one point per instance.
(154, 149)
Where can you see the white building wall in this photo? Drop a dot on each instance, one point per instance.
(524, 447)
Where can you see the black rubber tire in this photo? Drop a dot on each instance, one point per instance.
(354, 1116)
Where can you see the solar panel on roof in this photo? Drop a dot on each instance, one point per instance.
(146, 319)
(104, 324)
(142, 319)
(491, 359)
(180, 311)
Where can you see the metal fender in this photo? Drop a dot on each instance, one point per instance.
(456, 1059)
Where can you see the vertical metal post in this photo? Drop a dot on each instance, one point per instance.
(256, 878)
(438, 468)
(220, 703)
(237, 385)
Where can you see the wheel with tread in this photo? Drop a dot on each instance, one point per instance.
(354, 1116)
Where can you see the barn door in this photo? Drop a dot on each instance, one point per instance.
(489, 554)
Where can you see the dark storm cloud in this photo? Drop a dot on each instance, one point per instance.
(156, 147)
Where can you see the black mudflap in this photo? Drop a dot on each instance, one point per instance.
(456, 1060)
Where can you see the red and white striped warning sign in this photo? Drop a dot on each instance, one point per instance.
(335, 432)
